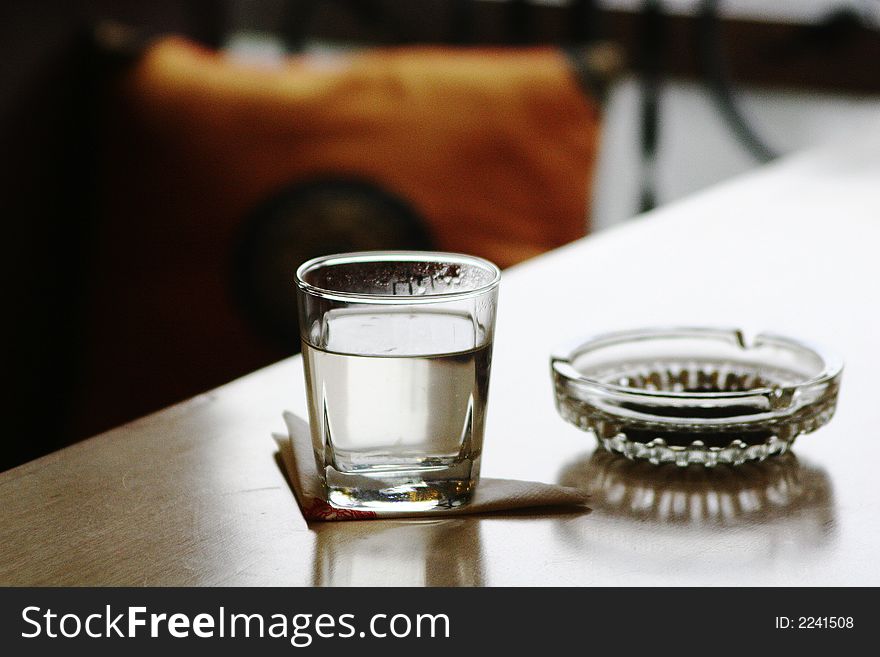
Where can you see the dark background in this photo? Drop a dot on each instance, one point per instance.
(56, 106)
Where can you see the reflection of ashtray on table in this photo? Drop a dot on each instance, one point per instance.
(758, 517)
(753, 493)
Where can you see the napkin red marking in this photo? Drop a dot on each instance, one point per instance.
(321, 510)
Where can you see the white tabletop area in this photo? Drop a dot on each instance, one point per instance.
(193, 495)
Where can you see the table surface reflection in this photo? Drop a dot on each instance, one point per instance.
(193, 495)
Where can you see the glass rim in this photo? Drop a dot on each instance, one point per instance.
(395, 256)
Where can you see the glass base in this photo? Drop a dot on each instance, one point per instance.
(399, 490)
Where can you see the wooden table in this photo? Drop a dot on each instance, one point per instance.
(193, 495)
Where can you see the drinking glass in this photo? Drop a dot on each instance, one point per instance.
(397, 348)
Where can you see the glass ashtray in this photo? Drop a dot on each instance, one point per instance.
(696, 395)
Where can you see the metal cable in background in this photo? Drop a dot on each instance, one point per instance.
(650, 68)
(718, 80)
(652, 43)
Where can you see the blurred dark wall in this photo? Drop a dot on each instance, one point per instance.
(51, 86)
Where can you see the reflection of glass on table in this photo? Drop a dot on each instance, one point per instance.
(443, 552)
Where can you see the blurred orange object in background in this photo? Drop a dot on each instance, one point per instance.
(493, 147)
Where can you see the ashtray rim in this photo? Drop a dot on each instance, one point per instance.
(562, 358)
